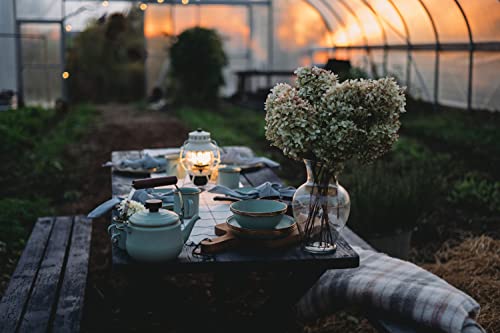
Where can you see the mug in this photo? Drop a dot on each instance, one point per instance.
(187, 204)
(229, 176)
(118, 234)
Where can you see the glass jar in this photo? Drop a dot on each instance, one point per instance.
(321, 208)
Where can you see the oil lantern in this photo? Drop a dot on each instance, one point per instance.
(199, 156)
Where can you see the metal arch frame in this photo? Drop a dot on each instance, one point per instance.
(384, 34)
(471, 54)
(335, 14)
(362, 29)
(323, 18)
(436, 58)
(408, 42)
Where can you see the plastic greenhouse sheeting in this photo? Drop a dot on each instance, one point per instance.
(432, 46)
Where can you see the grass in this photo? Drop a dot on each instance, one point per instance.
(428, 169)
(35, 141)
(230, 125)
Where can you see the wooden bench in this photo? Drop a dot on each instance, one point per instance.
(46, 291)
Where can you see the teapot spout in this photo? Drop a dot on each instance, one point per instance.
(188, 227)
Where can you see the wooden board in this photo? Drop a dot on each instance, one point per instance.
(43, 296)
(71, 296)
(47, 289)
(17, 294)
(228, 240)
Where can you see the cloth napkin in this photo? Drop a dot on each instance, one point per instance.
(166, 195)
(398, 287)
(265, 190)
(244, 156)
(146, 162)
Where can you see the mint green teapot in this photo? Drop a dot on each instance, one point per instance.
(157, 234)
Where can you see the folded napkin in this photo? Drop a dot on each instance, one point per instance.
(165, 195)
(147, 162)
(265, 190)
(244, 156)
(397, 287)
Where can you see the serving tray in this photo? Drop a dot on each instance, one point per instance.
(227, 239)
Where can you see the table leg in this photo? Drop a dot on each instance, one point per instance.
(277, 314)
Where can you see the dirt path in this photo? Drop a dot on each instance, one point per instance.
(117, 127)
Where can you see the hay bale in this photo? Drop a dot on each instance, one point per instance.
(474, 267)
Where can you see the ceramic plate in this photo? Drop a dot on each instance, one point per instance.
(285, 227)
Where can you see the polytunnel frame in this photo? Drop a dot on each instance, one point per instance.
(437, 46)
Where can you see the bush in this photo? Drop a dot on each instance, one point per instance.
(394, 193)
(197, 59)
(34, 140)
(16, 218)
(106, 60)
(476, 193)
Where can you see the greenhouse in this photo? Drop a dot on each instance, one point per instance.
(441, 51)
(309, 166)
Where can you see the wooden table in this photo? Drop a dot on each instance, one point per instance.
(298, 270)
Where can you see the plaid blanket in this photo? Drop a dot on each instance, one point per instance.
(398, 287)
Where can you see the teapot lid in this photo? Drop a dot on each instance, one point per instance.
(154, 216)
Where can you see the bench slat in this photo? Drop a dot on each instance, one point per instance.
(71, 297)
(43, 297)
(19, 289)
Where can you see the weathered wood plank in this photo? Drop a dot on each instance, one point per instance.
(43, 297)
(18, 292)
(71, 296)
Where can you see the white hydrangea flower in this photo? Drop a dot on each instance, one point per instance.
(333, 122)
(133, 207)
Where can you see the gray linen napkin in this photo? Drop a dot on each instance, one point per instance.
(165, 195)
(244, 156)
(397, 287)
(265, 190)
(147, 162)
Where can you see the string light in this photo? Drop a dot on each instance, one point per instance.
(68, 27)
(105, 3)
(143, 6)
(65, 75)
(160, 1)
(185, 2)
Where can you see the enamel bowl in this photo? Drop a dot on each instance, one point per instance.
(258, 214)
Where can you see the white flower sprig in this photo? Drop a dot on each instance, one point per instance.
(127, 208)
(333, 122)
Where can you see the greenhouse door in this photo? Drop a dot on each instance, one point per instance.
(41, 62)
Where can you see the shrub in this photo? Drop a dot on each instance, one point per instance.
(106, 60)
(197, 59)
(16, 218)
(395, 192)
(475, 192)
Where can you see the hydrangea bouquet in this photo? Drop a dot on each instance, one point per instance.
(330, 123)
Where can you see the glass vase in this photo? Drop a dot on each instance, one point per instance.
(321, 208)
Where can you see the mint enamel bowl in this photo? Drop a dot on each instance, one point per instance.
(258, 214)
